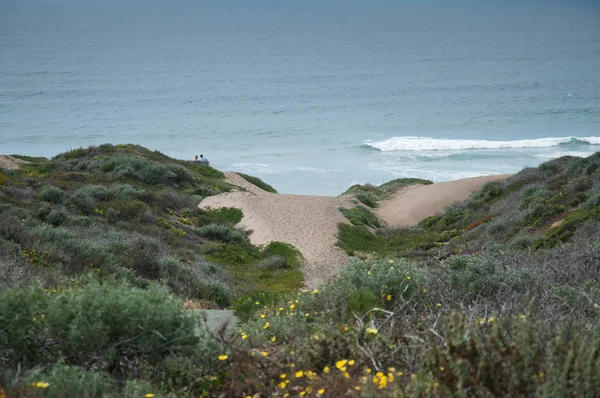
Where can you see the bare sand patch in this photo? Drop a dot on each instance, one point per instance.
(11, 163)
(413, 204)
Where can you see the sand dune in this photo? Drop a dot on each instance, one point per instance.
(310, 222)
(411, 205)
(10, 163)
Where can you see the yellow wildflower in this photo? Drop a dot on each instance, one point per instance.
(315, 291)
(439, 304)
(357, 388)
(262, 316)
(149, 395)
(321, 391)
(244, 336)
(257, 303)
(389, 297)
(282, 385)
(299, 374)
(273, 339)
(341, 364)
(280, 308)
(408, 278)
(292, 306)
(41, 384)
(223, 357)
(264, 353)
(346, 375)
(282, 376)
(371, 330)
(326, 370)
(351, 362)
(267, 324)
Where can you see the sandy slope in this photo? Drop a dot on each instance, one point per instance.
(409, 206)
(307, 222)
(310, 222)
(9, 162)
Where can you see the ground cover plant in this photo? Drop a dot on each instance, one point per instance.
(497, 296)
(369, 194)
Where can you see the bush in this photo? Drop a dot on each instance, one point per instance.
(67, 381)
(367, 198)
(53, 194)
(290, 255)
(360, 215)
(223, 234)
(258, 182)
(227, 215)
(272, 263)
(97, 192)
(126, 192)
(480, 276)
(522, 242)
(357, 238)
(111, 327)
(142, 256)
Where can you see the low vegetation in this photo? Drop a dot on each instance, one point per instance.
(258, 182)
(370, 195)
(497, 296)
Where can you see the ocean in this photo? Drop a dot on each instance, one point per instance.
(312, 96)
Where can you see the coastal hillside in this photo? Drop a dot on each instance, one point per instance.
(103, 249)
(126, 212)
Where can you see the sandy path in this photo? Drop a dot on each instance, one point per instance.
(309, 223)
(411, 205)
(10, 163)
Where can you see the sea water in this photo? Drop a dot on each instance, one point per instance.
(312, 96)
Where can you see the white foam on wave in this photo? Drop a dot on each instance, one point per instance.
(436, 144)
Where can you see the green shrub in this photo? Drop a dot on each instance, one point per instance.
(360, 215)
(522, 242)
(69, 381)
(361, 301)
(111, 327)
(223, 234)
(85, 203)
(97, 192)
(142, 256)
(515, 357)
(291, 256)
(228, 215)
(53, 194)
(272, 263)
(490, 191)
(367, 198)
(479, 276)
(358, 238)
(258, 182)
(126, 192)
